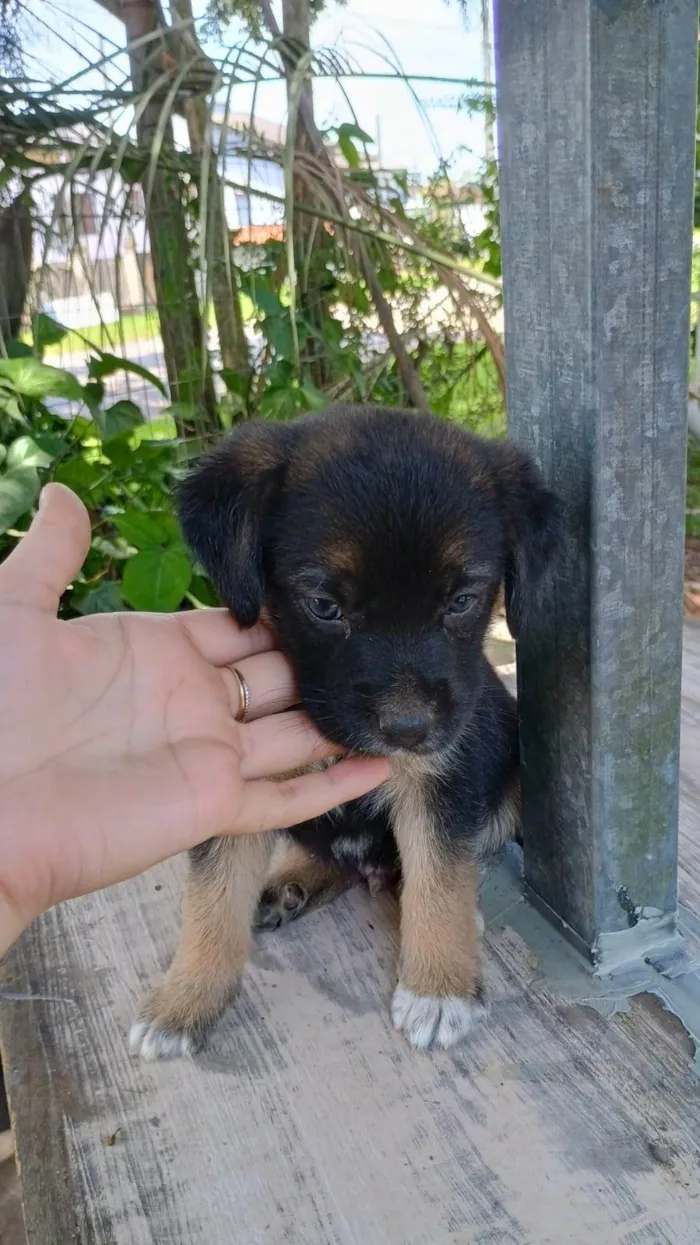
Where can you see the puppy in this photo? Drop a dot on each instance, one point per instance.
(376, 542)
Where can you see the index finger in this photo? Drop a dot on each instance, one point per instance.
(267, 804)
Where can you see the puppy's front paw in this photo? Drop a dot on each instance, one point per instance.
(428, 1020)
(152, 1041)
(178, 1016)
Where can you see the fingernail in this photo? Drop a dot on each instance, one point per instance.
(42, 498)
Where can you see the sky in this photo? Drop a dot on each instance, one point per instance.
(376, 35)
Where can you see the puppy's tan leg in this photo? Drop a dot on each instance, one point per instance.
(439, 994)
(297, 882)
(221, 896)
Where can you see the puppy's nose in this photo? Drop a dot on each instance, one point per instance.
(405, 730)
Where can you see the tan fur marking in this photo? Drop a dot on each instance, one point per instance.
(340, 558)
(439, 935)
(218, 907)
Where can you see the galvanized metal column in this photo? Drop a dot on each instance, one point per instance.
(596, 121)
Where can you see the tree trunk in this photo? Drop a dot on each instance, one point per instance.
(487, 54)
(15, 263)
(299, 23)
(312, 299)
(223, 278)
(184, 341)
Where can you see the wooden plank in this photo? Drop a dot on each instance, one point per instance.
(596, 108)
(309, 1122)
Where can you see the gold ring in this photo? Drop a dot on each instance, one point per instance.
(243, 697)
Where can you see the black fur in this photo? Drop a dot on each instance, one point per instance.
(388, 515)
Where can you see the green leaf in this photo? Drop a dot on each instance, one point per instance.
(278, 332)
(359, 300)
(55, 446)
(349, 150)
(106, 364)
(93, 393)
(388, 279)
(348, 130)
(18, 350)
(265, 299)
(79, 475)
(82, 428)
(121, 417)
(120, 453)
(3, 454)
(9, 405)
(19, 490)
(33, 379)
(333, 331)
(313, 398)
(203, 589)
(47, 331)
(24, 452)
(132, 168)
(106, 598)
(147, 531)
(157, 579)
(280, 403)
(237, 383)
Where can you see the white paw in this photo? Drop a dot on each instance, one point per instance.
(152, 1042)
(427, 1020)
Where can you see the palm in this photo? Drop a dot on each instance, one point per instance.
(135, 706)
(118, 739)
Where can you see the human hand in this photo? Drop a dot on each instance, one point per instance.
(118, 744)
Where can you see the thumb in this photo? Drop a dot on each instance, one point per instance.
(42, 565)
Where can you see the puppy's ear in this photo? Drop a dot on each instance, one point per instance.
(222, 505)
(534, 529)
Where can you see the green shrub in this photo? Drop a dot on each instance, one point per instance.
(54, 428)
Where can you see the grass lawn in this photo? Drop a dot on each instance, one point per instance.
(133, 327)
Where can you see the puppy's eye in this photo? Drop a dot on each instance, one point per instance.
(324, 608)
(462, 602)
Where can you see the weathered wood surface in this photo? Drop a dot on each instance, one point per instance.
(309, 1122)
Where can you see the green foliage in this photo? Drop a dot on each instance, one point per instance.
(54, 428)
(323, 340)
(462, 382)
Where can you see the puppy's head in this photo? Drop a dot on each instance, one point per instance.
(377, 542)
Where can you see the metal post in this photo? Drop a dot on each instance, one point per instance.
(596, 121)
